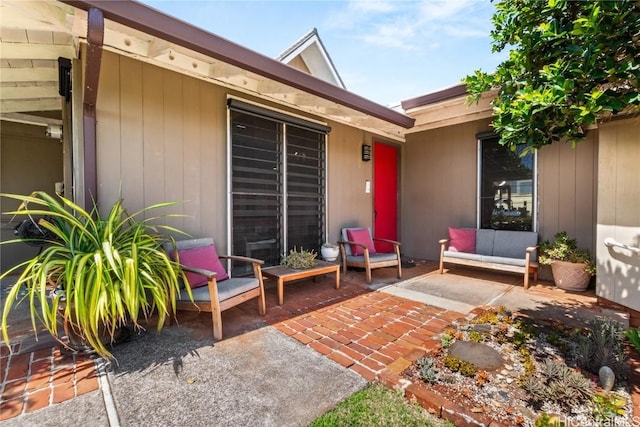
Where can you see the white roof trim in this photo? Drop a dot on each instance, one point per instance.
(312, 51)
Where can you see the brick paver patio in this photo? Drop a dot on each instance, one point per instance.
(35, 379)
(371, 333)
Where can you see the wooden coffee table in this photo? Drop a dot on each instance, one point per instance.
(284, 274)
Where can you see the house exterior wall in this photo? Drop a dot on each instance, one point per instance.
(618, 277)
(29, 161)
(162, 136)
(440, 187)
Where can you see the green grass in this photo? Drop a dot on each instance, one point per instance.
(376, 405)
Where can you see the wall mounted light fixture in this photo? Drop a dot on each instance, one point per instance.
(366, 152)
(54, 131)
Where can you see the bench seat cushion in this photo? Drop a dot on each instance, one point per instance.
(462, 255)
(226, 289)
(520, 262)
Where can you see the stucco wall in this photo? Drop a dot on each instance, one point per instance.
(440, 187)
(618, 277)
(162, 136)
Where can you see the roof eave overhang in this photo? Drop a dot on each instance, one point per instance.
(447, 108)
(172, 30)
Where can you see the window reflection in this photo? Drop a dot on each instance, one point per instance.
(506, 187)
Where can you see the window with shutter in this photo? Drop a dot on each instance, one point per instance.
(277, 184)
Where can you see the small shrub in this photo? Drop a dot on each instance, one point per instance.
(458, 365)
(607, 406)
(446, 340)
(482, 377)
(501, 334)
(453, 363)
(565, 249)
(602, 345)
(299, 259)
(520, 339)
(494, 316)
(546, 420)
(427, 369)
(475, 336)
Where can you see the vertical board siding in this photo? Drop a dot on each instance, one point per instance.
(172, 122)
(618, 276)
(348, 204)
(440, 187)
(132, 135)
(153, 131)
(108, 134)
(191, 117)
(170, 134)
(566, 190)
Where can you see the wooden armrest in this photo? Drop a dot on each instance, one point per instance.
(207, 273)
(393, 242)
(443, 241)
(342, 242)
(532, 249)
(242, 259)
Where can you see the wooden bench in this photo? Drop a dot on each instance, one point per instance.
(504, 250)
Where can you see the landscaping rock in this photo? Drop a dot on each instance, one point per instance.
(481, 355)
(607, 378)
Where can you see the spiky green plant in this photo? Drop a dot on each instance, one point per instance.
(108, 271)
(558, 383)
(602, 345)
(633, 335)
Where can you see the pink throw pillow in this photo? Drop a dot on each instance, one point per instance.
(205, 257)
(361, 235)
(462, 240)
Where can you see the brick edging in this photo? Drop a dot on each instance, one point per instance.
(434, 403)
(417, 392)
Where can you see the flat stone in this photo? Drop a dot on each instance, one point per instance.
(481, 355)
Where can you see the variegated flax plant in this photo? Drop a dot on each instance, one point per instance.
(94, 274)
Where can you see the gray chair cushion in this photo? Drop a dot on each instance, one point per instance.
(377, 257)
(484, 241)
(462, 255)
(513, 244)
(226, 289)
(343, 232)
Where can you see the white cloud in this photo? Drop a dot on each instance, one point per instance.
(372, 6)
(410, 25)
(435, 10)
(391, 35)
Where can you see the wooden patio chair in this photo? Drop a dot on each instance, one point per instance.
(213, 290)
(357, 250)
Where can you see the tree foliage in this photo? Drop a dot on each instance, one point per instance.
(570, 63)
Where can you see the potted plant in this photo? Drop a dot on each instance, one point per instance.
(329, 251)
(572, 268)
(105, 272)
(299, 259)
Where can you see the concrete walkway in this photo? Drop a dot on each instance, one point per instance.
(283, 369)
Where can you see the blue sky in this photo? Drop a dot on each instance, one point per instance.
(386, 51)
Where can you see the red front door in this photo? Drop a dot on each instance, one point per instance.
(385, 194)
